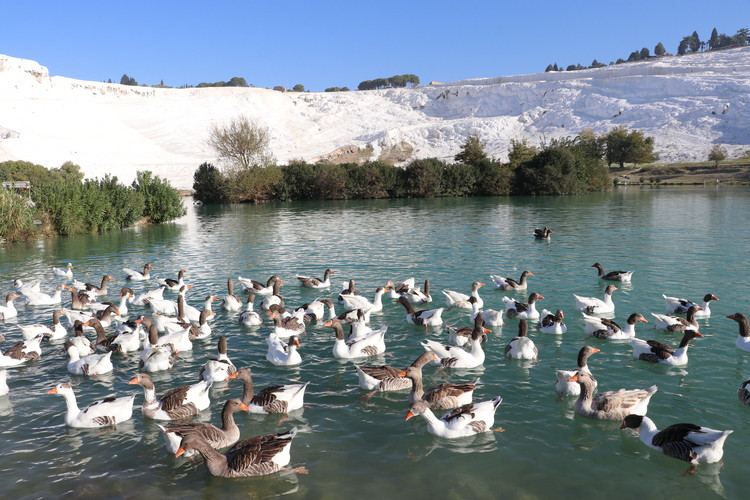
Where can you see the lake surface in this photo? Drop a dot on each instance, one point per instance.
(683, 242)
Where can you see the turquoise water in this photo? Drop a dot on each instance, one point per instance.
(680, 241)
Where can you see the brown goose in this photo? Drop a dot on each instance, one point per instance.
(79, 299)
(460, 335)
(441, 396)
(272, 399)
(174, 285)
(744, 392)
(138, 276)
(384, 378)
(508, 284)
(677, 324)
(249, 285)
(181, 402)
(743, 339)
(312, 282)
(219, 368)
(611, 405)
(103, 343)
(623, 276)
(216, 437)
(542, 234)
(424, 317)
(21, 352)
(257, 456)
(101, 289)
(656, 352)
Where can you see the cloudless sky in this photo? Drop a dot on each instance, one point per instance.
(329, 43)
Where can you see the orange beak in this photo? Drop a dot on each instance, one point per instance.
(179, 452)
(134, 381)
(52, 391)
(409, 414)
(574, 378)
(234, 375)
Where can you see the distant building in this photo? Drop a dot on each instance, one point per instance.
(20, 185)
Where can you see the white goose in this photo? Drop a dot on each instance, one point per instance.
(466, 420)
(689, 442)
(9, 311)
(63, 272)
(4, 389)
(249, 317)
(93, 364)
(181, 402)
(680, 306)
(110, 411)
(155, 294)
(44, 299)
(371, 344)
(592, 305)
(352, 302)
(603, 328)
(564, 386)
(521, 347)
(275, 297)
(461, 300)
(461, 335)
(30, 286)
(283, 354)
(521, 310)
(552, 323)
(457, 357)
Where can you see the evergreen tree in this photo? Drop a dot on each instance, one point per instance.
(555, 67)
(645, 53)
(659, 50)
(694, 42)
(549, 68)
(472, 151)
(298, 88)
(714, 40)
(683, 46)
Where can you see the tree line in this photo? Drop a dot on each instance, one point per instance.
(563, 166)
(61, 202)
(689, 44)
(394, 81)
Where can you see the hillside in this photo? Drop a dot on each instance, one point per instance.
(686, 103)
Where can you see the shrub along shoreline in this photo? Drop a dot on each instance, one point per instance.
(60, 202)
(569, 166)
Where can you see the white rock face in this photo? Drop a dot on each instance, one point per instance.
(686, 103)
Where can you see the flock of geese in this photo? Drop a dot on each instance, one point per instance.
(165, 326)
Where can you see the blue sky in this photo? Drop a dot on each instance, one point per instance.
(327, 43)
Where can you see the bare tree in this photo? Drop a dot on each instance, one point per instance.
(241, 144)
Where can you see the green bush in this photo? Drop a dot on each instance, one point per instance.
(561, 170)
(16, 216)
(459, 179)
(162, 202)
(424, 178)
(254, 184)
(298, 182)
(494, 179)
(209, 185)
(331, 183)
